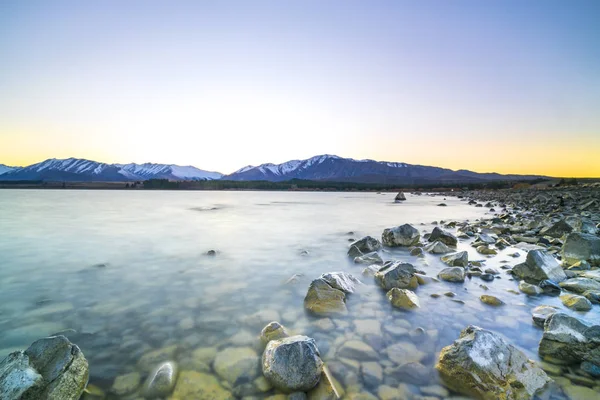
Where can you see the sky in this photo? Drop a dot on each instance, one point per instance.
(509, 86)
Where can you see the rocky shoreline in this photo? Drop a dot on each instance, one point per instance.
(354, 347)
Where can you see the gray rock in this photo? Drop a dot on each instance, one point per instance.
(557, 230)
(481, 364)
(531, 290)
(52, 368)
(399, 197)
(581, 247)
(397, 274)
(576, 302)
(570, 340)
(404, 235)
(580, 285)
(549, 287)
(368, 244)
(369, 259)
(460, 259)
(539, 266)
(292, 364)
(437, 247)
(322, 299)
(161, 381)
(273, 331)
(541, 314)
(341, 281)
(452, 274)
(443, 236)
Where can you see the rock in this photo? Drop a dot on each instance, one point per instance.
(529, 289)
(161, 381)
(437, 247)
(402, 353)
(404, 235)
(549, 287)
(357, 350)
(237, 364)
(372, 373)
(417, 252)
(399, 197)
(369, 259)
(481, 364)
(397, 274)
(368, 244)
(569, 340)
(592, 296)
(452, 274)
(580, 285)
(292, 364)
(443, 236)
(413, 372)
(199, 386)
(327, 388)
(557, 230)
(273, 331)
(580, 266)
(403, 298)
(149, 360)
(126, 384)
(341, 281)
(581, 247)
(485, 238)
(576, 302)
(442, 205)
(574, 392)
(487, 277)
(322, 299)
(367, 327)
(491, 300)
(460, 259)
(484, 249)
(539, 266)
(52, 368)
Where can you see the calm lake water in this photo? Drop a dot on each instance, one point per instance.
(127, 271)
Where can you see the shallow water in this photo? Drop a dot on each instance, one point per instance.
(127, 271)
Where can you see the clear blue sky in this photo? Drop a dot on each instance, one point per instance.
(506, 86)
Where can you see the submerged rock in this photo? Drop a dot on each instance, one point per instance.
(452, 274)
(539, 266)
(273, 331)
(404, 235)
(237, 364)
(199, 386)
(52, 368)
(460, 259)
(582, 247)
(481, 364)
(403, 298)
(292, 364)
(161, 381)
(397, 274)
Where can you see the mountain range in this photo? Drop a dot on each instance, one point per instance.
(319, 168)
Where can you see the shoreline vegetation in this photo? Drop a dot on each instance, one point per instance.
(299, 185)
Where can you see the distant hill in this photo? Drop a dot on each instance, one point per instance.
(333, 168)
(325, 168)
(81, 170)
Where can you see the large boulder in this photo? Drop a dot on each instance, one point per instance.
(292, 364)
(481, 364)
(582, 247)
(403, 235)
(460, 259)
(452, 274)
(368, 244)
(327, 294)
(571, 341)
(52, 368)
(539, 266)
(443, 236)
(397, 274)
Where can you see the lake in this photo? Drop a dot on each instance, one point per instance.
(125, 274)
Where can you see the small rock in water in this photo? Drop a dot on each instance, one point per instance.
(403, 298)
(529, 289)
(549, 287)
(211, 253)
(273, 331)
(126, 384)
(161, 381)
(491, 300)
(404, 235)
(576, 302)
(460, 259)
(452, 274)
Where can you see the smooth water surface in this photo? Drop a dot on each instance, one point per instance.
(125, 272)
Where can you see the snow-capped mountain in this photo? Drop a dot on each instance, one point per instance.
(334, 168)
(81, 170)
(5, 168)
